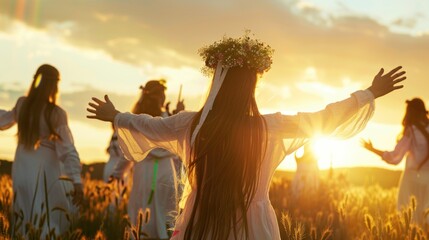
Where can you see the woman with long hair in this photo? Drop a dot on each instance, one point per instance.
(155, 184)
(229, 149)
(44, 154)
(414, 143)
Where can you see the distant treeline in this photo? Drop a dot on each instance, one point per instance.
(359, 176)
(95, 169)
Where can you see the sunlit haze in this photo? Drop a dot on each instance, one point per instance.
(324, 51)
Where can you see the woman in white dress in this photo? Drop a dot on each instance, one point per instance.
(229, 149)
(115, 156)
(306, 178)
(414, 143)
(45, 152)
(155, 181)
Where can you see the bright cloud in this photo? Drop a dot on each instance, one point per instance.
(324, 50)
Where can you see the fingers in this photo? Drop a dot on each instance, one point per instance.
(393, 71)
(396, 75)
(91, 110)
(399, 80)
(398, 87)
(107, 99)
(92, 116)
(93, 105)
(380, 73)
(97, 100)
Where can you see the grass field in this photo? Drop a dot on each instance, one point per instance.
(338, 209)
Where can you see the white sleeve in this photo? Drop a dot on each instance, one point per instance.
(138, 134)
(401, 148)
(342, 119)
(9, 118)
(122, 166)
(66, 151)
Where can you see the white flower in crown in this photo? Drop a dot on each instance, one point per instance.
(237, 52)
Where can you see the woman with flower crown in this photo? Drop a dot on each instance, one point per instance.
(45, 153)
(229, 149)
(154, 183)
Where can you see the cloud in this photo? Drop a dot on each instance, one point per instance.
(405, 22)
(168, 33)
(75, 103)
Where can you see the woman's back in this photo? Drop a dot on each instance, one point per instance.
(418, 149)
(284, 135)
(58, 118)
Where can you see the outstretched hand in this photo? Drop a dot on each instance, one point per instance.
(104, 111)
(384, 84)
(180, 106)
(367, 144)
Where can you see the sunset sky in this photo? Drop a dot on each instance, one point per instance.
(324, 51)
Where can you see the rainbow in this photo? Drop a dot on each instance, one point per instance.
(26, 11)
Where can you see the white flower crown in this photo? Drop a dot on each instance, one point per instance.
(237, 52)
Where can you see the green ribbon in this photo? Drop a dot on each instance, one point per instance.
(152, 191)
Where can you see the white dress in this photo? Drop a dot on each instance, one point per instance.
(413, 181)
(36, 173)
(156, 173)
(306, 178)
(138, 134)
(115, 156)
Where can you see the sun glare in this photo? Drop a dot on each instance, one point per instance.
(324, 150)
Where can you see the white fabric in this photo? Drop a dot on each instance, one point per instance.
(414, 145)
(163, 208)
(306, 178)
(218, 78)
(164, 205)
(138, 134)
(115, 157)
(52, 159)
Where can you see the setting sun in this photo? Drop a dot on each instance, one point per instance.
(214, 119)
(325, 150)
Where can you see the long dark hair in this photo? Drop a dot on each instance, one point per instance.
(416, 114)
(41, 99)
(148, 103)
(226, 159)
